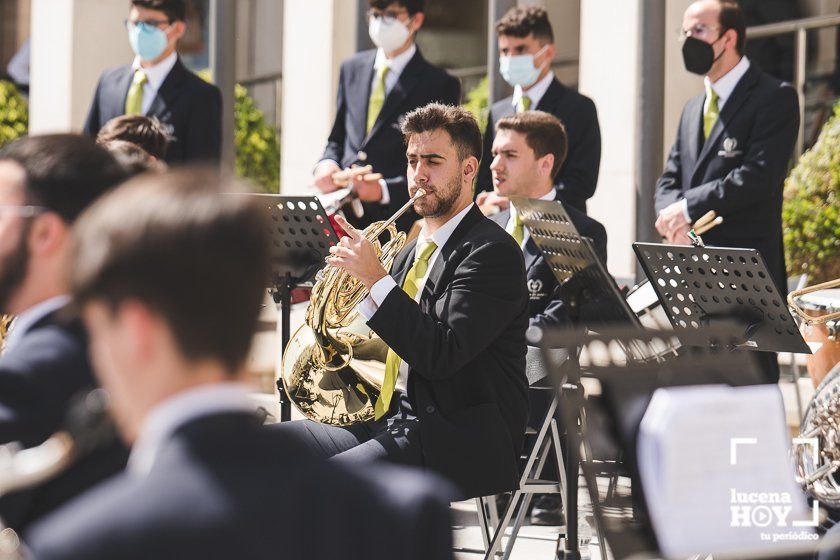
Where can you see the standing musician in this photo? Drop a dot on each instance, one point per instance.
(375, 89)
(169, 274)
(529, 149)
(45, 183)
(733, 145)
(454, 316)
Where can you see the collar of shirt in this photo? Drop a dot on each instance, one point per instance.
(157, 73)
(396, 64)
(535, 93)
(550, 195)
(441, 236)
(727, 83)
(179, 409)
(28, 318)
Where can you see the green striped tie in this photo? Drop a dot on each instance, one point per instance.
(134, 101)
(392, 362)
(710, 115)
(377, 97)
(524, 104)
(517, 229)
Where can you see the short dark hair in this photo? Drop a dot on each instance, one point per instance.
(526, 20)
(194, 255)
(732, 17)
(175, 10)
(413, 6)
(133, 159)
(459, 123)
(544, 133)
(64, 173)
(146, 132)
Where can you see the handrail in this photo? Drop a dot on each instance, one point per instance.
(782, 27)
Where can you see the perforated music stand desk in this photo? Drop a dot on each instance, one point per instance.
(301, 236)
(700, 286)
(613, 420)
(573, 259)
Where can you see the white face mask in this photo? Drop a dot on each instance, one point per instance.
(388, 36)
(519, 70)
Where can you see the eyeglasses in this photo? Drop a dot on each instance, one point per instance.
(147, 23)
(22, 211)
(701, 31)
(388, 16)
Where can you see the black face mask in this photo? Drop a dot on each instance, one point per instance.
(699, 56)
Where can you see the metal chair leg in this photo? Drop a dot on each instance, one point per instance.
(482, 522)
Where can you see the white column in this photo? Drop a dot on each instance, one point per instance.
(73, 41)
(317, 36)
(608, 74)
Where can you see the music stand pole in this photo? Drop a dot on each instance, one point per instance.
(571, 393)
(283, 298)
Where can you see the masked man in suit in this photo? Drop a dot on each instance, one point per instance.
(169, 274)
(45, 183)
(375, 89)
(453, 314)
(529, 149)
(733, 146)
(526, 49)
(157, 84)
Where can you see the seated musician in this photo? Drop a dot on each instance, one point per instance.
(454, 314)
(45, 183)
(529, 149)
(169, 274)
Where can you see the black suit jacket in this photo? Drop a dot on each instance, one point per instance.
(188, 106)
(578, 177)
(739, 171)
(465, 347)
(547, 308)
(222, 486)
(39, 379)
(419, 84)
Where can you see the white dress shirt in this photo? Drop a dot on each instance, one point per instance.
(383, 287)
(550, 195)
(724, 87)
(156, 75)
(535, 93)
(28, 318)
(179, 409)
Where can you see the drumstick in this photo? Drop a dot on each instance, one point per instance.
(703, 220)
(703, 229)
(349, 173)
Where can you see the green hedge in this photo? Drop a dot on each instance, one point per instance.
(257, 144)
(478, 102)
(14, 113)
(811, 212)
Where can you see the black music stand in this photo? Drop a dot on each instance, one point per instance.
(613, 420)
(581, 276)
(301, 236)
(702, 286)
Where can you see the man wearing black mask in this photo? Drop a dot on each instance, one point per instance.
(733, 145)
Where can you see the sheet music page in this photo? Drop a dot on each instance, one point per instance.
(716, 471)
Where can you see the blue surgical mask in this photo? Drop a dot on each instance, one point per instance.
(147, 42)
(519, 70)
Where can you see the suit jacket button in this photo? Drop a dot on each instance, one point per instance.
(430, 409)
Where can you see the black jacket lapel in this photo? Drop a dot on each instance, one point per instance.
(552, 97)
(436, 274)
(168, 91)
(695, 130)
(409, 79)
(730, 109)
(403, 262)
(120, 89)
(531, 253)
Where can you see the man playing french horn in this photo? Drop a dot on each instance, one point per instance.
(453, 313)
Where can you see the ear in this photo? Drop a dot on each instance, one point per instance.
(470, 169)
(48, 234)
(550, 51)
(546, 164)
(178, 30)
(139, 328)
(731, 38)
(417, 21)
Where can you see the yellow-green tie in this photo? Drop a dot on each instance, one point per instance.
(134, 101)
(518, 229)
(524, 104)
(392, 362)
(710, 115)
(377, 96)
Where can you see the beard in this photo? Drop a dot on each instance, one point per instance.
(13, 269)
(438, 202)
